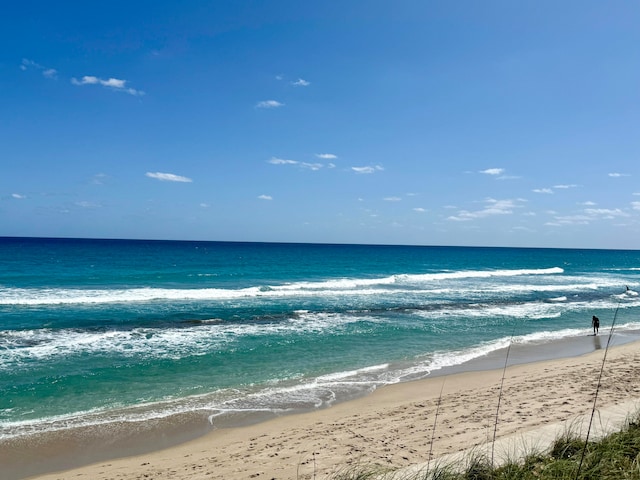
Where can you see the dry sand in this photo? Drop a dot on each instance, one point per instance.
(393, 426)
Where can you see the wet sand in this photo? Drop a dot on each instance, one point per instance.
(393, 427)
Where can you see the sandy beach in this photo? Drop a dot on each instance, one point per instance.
(393, 426)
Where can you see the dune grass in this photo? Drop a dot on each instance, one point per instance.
(614, 457)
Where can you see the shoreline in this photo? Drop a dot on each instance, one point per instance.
(393, 425)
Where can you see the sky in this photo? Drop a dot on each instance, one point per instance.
(488, 123)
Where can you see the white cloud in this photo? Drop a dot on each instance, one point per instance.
(556, 187)
(301, 83)
(50, 73)
(590, 215)
(367, 170)
(493, 171)
(635, 205)
(493, 207)
(99, 178)
(562, 221)
(605, 212)
(312, 166)
(392, 199)
(617, 175)
(269, 104)
(498, 173)
(326, 156)
(281, 161)
(265, 197)
(18, 196)
(419, 210)
(46, 72)
(168, 177)
(85, 204)
(588, 203)
(115, 84)
(204, 205)
(86, 80)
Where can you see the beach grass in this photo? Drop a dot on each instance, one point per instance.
(613, 457)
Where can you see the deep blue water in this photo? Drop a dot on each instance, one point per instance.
(100, 332)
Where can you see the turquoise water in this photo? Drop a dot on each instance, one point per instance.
(105, 332)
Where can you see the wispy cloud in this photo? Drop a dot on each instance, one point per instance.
(85, 204)
(168, 177)
(114, 84)
(635, 205)
(392, 199)
(493, 171)
(46, 72)
(547, 190)
(300, 82)
(607, 213)
(18, 196)
(99, 178)
(265, 197)
(419, 209)
(367, 170)
(520, 228)
(282, 161)
(269, 104)
(498, 173)
(327, 156)
(310, 166)
(588, 216)
(566, 220)
(492, 207)
(617, 175)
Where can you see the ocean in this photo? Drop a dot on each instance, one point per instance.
(128, 336)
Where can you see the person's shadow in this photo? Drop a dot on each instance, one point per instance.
(596, 342)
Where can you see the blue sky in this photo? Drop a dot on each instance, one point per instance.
(505, 123)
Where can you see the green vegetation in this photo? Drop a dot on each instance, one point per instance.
(614, 457)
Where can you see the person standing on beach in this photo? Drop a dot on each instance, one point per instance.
(595, 321)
